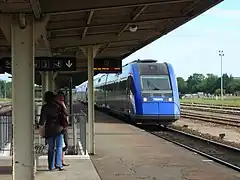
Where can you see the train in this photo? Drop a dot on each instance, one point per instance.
(145, 92)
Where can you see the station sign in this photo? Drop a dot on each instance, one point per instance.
(44, 64)
(107, 65)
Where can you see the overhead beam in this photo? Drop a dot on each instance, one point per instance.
(119, 6)
(94, 34)
(134, 17)
(118, 23)
(190, 7)
(46, 42)
(41, 32)
(171, 23)
(185, 12)
(97, 39)
(6, 29)
(88, 22)
(36, 8)
(113, 42)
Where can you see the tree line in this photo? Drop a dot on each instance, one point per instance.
(209, 84)
(6, 90)
(195, 83)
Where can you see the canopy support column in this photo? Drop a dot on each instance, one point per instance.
(91, 52)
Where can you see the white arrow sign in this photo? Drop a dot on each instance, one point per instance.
(69, 64)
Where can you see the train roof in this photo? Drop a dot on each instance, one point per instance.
(147, 61)
(142, 61)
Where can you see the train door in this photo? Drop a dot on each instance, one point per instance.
(117, 93)
(105, 92)
(129, 95)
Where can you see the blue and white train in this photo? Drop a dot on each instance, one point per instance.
(146, 92)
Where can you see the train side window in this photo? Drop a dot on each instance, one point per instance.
(122, 85)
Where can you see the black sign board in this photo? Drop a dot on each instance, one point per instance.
(2, 67)
(107, 65)
(44, 64)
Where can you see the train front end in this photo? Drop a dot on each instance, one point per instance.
(159, 94)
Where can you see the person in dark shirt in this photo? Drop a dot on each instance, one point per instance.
(60, 99)
(49, 118)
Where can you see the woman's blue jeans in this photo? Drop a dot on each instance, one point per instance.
(55, 157)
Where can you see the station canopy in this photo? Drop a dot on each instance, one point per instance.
(74, 24)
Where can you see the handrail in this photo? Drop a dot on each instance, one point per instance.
(78, 131)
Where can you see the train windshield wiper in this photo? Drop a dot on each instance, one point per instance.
(153, 85)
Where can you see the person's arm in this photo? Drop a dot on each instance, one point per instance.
(64, 111)
(43, 117)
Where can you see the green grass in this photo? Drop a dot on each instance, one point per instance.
(5, 100)
(226, 102)
(9, 100)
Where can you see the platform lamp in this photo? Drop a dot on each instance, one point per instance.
(221, 54)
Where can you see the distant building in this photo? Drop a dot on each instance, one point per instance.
(236, 78)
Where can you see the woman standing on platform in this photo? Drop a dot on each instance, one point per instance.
(60, 99)
(51, 118)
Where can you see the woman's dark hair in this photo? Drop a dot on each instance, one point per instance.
(49, 97)
(60, 93)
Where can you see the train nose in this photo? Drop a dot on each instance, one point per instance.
(160, 108)
(150, 108)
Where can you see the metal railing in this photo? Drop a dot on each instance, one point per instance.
(79, 130)
(76, 134)
(5, 133)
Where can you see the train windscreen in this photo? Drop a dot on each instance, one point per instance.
(155, 83)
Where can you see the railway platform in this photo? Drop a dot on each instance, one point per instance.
(126, 152)
(80, 164)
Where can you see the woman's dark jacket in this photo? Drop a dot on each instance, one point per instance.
(50, 117)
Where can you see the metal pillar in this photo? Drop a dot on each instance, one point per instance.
(91, 52)
(91, 117)
(50, 80)
(70, 101)
(5, 89)
(44, 85)
(221, 54)
(23, 48)
(221, 81)
(54, 80)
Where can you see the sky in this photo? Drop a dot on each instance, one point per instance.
(193, 47)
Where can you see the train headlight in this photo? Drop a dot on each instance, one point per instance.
(170, 99)
(144, 99)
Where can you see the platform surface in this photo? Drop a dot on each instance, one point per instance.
(78, 169)
(124, 152)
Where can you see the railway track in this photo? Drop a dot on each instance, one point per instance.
(230, 121)
(210, 109)
(216, 106)
(235, 108)
(221, 153)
